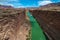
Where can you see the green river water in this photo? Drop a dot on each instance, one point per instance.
(36, 31)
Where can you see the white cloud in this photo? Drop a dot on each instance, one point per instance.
(5, 3)
(45, 2)
(14, 3)
(17, 5)
(8, 0)
(20, 6)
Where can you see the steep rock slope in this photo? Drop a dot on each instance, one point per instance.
(49, 21)
(13, 24)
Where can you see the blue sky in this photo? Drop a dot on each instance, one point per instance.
(26, 3)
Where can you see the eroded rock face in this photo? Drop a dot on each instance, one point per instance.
(49, 21)
(13, 25)
(8, 26)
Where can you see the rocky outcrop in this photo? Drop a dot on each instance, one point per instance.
(13, 24)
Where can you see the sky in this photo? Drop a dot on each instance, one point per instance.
(27, 3)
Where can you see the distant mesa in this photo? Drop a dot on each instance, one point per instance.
(51, 6)
(4, 6)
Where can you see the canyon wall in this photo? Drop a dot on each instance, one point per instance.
(49, 21)
(10, 23)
